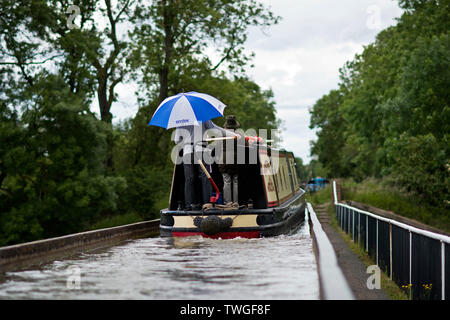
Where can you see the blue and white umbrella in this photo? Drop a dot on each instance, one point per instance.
(186, 109)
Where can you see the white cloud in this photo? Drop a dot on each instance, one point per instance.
(297, 138)
(299, 75)
(299, 59)
(126, 105)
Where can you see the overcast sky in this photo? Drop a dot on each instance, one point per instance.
(299, 59)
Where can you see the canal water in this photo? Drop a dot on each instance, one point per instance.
(282, 267)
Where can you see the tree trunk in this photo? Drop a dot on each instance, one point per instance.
(168, 44)
(105, 107)
(163, 83)
(106, 116)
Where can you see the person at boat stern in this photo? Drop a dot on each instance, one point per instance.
(194, 148)
(230, 171)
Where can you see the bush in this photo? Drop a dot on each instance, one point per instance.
(421, 166)
(386, 195)
(147, 191)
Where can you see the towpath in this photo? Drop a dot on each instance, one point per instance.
(353, 268)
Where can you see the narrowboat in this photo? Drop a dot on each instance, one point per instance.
(271, 201)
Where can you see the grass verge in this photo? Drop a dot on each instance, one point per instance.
(381, 194)
(320, 197)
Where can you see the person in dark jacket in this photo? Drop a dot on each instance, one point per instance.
(193, 151)
(230, 171)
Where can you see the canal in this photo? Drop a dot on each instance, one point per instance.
(282, 267)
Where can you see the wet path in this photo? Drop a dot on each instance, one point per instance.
(282, 267)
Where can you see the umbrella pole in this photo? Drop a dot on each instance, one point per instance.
(212, 199)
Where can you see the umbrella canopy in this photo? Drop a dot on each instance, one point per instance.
(186, 109)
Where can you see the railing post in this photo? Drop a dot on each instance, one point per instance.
(367, 233)
(390, 250)
(340, 216)
(443, 269)
(345, 222)
(353, 226)
(377, 243)
(335, 192)
(410, 257)
(349, 221)
(359, 229)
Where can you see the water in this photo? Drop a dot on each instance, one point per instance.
(282, 267)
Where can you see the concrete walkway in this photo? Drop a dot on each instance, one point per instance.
(353, 268)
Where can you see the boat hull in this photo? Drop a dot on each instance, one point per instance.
(220, 235)
(247, 223)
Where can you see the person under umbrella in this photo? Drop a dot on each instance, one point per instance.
(230, 171)
(191, 114)
(194, 149)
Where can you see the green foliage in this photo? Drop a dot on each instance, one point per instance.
(320, 197)
(420, 164)
(63, 170)
(116, 220)
(53, 173)
(386, 195)
(391, 114)
(148, 187)
(315, 169)
(330, 140)
(171, 38)
(301, 169)
(254, 108)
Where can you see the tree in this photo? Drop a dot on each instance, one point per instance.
(330, 146)
(38, 37)
(393, 114)
(171, 35)
(52, 182)
(53, 178)
(90, 59)
(53, 147)
(301, 169)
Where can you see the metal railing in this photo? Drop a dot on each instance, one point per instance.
(413, 258)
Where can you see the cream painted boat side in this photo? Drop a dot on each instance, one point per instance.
(239, 221)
